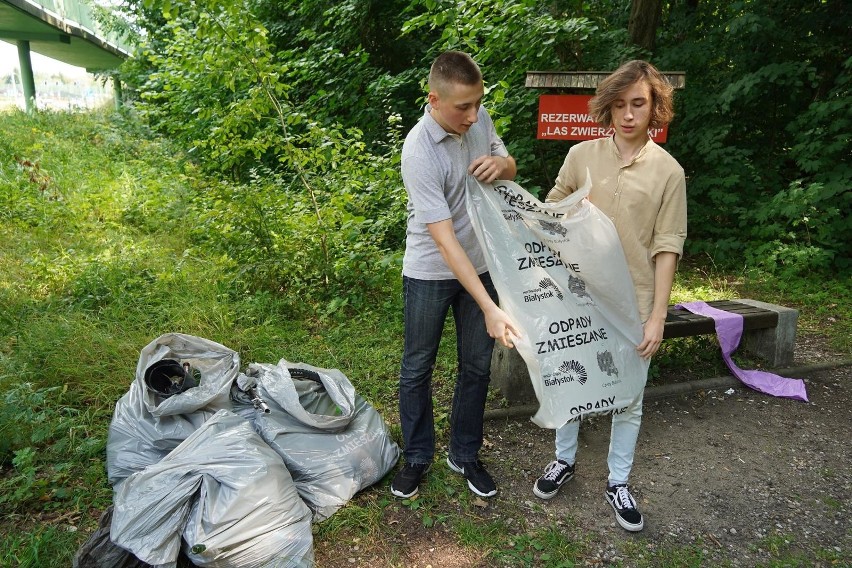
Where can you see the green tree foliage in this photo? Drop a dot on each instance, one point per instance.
(208, 81)
(345, 60)
(330, 64)
(307, 203)
(763, 129)
(326, 239)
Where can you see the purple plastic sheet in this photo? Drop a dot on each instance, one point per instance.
(729, 330)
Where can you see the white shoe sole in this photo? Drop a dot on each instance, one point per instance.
(402, 495)
(547, 496)
(624, 524)
(470, 485)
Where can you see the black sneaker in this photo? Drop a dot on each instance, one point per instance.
(407, 480)
(624, 506)
(555, 474)
(479, 481)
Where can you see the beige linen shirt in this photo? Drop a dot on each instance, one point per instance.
(645, 199)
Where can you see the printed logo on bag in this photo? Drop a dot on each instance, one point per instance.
(569, 336)
(547, 289)
(574, 371)
(554, 229)
(369, 470)
(606, 364)
(577, 286)
(512, 215)
(568, 372)
(547, 283)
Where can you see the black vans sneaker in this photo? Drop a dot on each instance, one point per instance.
(555, 474)
(624, 506)
(478, 479)
(407, 480)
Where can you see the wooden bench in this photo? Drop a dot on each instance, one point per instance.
(683, 323)
(769, 332)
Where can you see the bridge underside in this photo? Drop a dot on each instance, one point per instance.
(53, 37)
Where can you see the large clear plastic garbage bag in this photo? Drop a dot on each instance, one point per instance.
(223, 495)
(561, 275)
(148, 424)
(333, 442)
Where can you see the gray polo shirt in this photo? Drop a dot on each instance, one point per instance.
(434, 170)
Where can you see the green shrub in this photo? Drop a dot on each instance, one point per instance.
(763, 133)
(327, 231)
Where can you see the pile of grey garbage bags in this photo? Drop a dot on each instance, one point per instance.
(228, 469)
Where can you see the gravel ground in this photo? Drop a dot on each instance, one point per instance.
(736, 472)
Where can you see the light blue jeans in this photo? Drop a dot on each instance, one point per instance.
(622, 441)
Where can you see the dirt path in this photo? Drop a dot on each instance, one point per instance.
(735, 472)
(731, 474)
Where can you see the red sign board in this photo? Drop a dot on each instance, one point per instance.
(566, 117)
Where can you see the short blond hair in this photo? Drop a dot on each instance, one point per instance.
(630, 73)
(453, 67)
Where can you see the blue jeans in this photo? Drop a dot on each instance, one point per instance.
(426, 305)
(622, 442)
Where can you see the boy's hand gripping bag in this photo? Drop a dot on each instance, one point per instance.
(562, 277)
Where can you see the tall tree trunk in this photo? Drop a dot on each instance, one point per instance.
(645, 18)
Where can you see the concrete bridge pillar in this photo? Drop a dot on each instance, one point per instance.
(27, 78)
(116, 90)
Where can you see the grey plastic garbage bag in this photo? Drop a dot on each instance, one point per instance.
(226, 493)
(146, 426)
(333, 442)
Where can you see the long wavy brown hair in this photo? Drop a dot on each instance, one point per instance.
(662, 109)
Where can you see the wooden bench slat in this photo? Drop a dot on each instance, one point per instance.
(683, 323)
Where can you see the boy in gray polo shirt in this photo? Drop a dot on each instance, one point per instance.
(444, 268)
